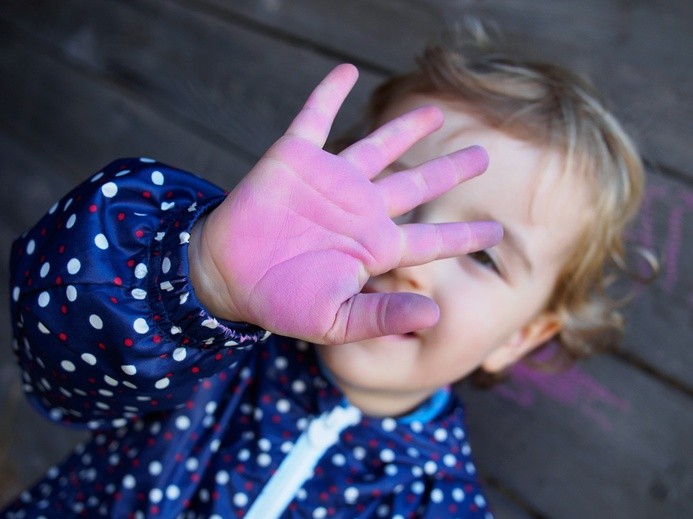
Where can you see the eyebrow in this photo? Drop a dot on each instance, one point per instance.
(514, 242)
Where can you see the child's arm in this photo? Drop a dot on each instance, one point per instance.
(106, 323)
(292, 246)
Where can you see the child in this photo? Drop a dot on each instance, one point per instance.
(144, 300)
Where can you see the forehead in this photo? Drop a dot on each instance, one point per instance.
(526, 187)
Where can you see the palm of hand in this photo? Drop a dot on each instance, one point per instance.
(298, 238)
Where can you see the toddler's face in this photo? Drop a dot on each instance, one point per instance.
(492, 303)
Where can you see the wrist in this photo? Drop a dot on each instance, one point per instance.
(205, 278)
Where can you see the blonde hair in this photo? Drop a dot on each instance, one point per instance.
(550, 106)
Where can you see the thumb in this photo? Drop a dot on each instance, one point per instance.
(365, 316)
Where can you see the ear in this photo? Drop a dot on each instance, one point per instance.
(527, 338)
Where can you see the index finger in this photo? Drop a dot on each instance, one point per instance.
(315, 119)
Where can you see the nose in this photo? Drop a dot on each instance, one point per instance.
(415, 279)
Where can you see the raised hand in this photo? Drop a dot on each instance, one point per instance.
(294, 243)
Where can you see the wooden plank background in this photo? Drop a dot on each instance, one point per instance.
(207, 85)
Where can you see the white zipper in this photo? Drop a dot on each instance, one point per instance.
(320, 434)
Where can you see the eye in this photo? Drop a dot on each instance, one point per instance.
(484, 258)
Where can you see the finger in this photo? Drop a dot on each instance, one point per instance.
(365, 316)
(422, 243)
(378, 150)
(406, 190)
(315, 119)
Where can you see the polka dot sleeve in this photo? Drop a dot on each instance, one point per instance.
(106, 324)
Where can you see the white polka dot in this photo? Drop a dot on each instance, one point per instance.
(182, 423)
(73, 266)
(391, 470)
(67, 365)
(155, 495)
(479, 500)
(53, 208)
(95, 321)
(351, 494)
(101, 241)
(71, 293)
(264, 444)
(129, 369)
(110, 381)
(109, 189)
(298, 386)
(192, 464)
(147, 160)
(264, 459)
(30, 247)
(89, 358)
(387, 455)
(67, 204)
(338, 460)
(440, 435)
(42, 328)
(449, 460)
(15, 294)
(210, 407)
(140, 325)
(222, 477)
(45, 268)
(98, 176)
(437, 495)
(179, 354)
(43, 299)
(165, 265)
(139, 293)
(417, 487)
(283, 405)
(319, 513)
(458, 494)
(162, 383)
(240, 499)
(71, 221)
(430, 467)
(155, 468)
(141, 271)
(172, 492)
(281, 362)
(389, 424)
(214, 447)
(157, 178)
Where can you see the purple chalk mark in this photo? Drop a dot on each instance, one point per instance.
(571, 388)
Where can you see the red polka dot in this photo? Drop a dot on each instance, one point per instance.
(62, 336)
(93, 208)
(113, 299)
(139, 233)
(117, 281)
(61, 249)
(195, 369)
(128, 342)
(121, 217)
(58, 280)
(146, 194)
(131, 263)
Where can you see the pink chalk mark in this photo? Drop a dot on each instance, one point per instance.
(571, 388)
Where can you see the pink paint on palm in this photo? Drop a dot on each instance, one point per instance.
(292, 246)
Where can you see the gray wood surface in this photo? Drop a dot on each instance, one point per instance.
(207, 85)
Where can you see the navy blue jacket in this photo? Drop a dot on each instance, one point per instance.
(191, 416)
